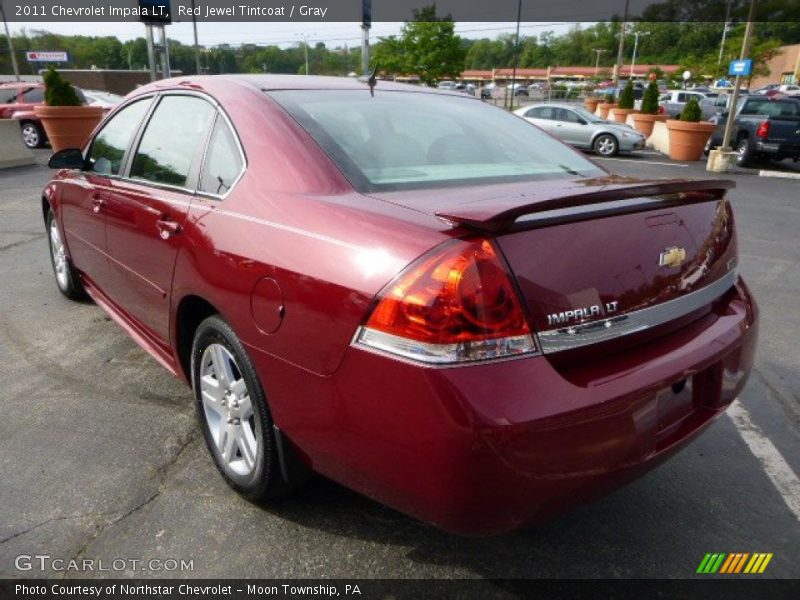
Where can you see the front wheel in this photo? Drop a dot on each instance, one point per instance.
(233, 412)
(67, 279)
(606, 145)
(32, 135)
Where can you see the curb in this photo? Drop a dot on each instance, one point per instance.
(778, 174)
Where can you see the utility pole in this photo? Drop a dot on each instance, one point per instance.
(516, 56)
(598, 51)
(621, 48)
(748, 32)
(366, 23)
(10, 44)
(636, 35)
(196, 45)
(304, 37)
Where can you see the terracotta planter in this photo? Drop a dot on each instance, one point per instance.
(621, 114)
(68, 126)
(604, 108)
(644, 123)
(686, 140)
(591, 103)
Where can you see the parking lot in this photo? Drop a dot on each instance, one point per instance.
(101, 456)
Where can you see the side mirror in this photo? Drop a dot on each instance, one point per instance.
(582, 121)
(68, 158)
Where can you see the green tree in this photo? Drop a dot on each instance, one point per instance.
(427, 47)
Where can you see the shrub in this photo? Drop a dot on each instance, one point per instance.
(691, 112)
(58, 91)
(626, 99)
(650, 100)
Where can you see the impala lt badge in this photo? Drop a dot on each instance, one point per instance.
(672, 257)
(581, 314)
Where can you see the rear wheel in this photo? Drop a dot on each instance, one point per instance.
(233, 412)
(32, 135)
(67, 279)
(606, 145)
(744, 154)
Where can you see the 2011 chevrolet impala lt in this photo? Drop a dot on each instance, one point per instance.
(415, 294)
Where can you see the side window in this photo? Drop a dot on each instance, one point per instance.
(109, 146)
(683, 97)
(223, 163)
(33, 95)
(568, 116)
(534, 113)
(8, 95)
(176, 129)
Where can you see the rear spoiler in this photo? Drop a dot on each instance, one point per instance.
(598, 201)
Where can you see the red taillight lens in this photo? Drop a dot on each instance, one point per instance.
(455, 304)
(763, 130)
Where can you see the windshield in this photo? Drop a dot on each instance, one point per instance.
(402, 140)
(588, 116)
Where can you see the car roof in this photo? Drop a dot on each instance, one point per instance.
(268, 83)
(20, 84)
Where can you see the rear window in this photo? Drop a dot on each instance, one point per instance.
(403, 140)
(771, 108)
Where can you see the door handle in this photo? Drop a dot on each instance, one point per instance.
(97, 204)
(167, 228)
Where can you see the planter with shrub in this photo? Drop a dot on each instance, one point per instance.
(67, 122)
(688, 135)
(626, 103)
(606, 106)
(644, 120)
(591, 102)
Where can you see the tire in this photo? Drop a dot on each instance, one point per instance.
(233, 412)
(710, 145)
(67, 279)
(606, 144)
(744, 154)
(32, 135)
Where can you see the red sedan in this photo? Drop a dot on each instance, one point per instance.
(415, 294)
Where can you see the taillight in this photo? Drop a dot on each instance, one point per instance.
(455, 304)
(763, 130)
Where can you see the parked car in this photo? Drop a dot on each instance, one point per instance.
(767, 88)
(763, 127)
(17, 101)
(446, 85)
(580, 128)
(100, 98)
(518, 89)
(487, 90)
(789, 90)
(613, 95)
(713, 106)
(674, 101)
(420, 296)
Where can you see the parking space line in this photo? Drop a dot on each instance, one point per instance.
(775, 466)
(643, 162)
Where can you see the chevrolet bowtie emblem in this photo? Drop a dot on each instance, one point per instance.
(672, 257)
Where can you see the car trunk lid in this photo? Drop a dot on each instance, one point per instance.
(600, 259)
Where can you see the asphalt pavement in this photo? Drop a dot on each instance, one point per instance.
(101, 457)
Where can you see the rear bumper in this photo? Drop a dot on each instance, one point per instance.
(778, 149)
(489, 448)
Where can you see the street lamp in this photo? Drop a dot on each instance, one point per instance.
(636, 35)
(598, 51)
(304, 37)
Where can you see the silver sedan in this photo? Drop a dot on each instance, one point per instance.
(578, 127)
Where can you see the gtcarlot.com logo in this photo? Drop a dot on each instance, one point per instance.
(735, 563)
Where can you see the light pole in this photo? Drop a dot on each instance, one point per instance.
(196, 45)
(725, 31)
(636, 35)
(516, 56)
(748, 32)
(304, 37)
(621, 47)
(598, 51)
(10, 44)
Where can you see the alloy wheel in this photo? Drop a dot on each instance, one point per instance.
(228, 410)
(606, 145)
(59, 255)
(30, 135)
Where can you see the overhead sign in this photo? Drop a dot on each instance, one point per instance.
(47, 56)
(742, 68)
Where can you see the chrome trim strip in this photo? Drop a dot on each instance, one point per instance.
(585, 334)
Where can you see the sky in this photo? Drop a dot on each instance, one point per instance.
(278, 33)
